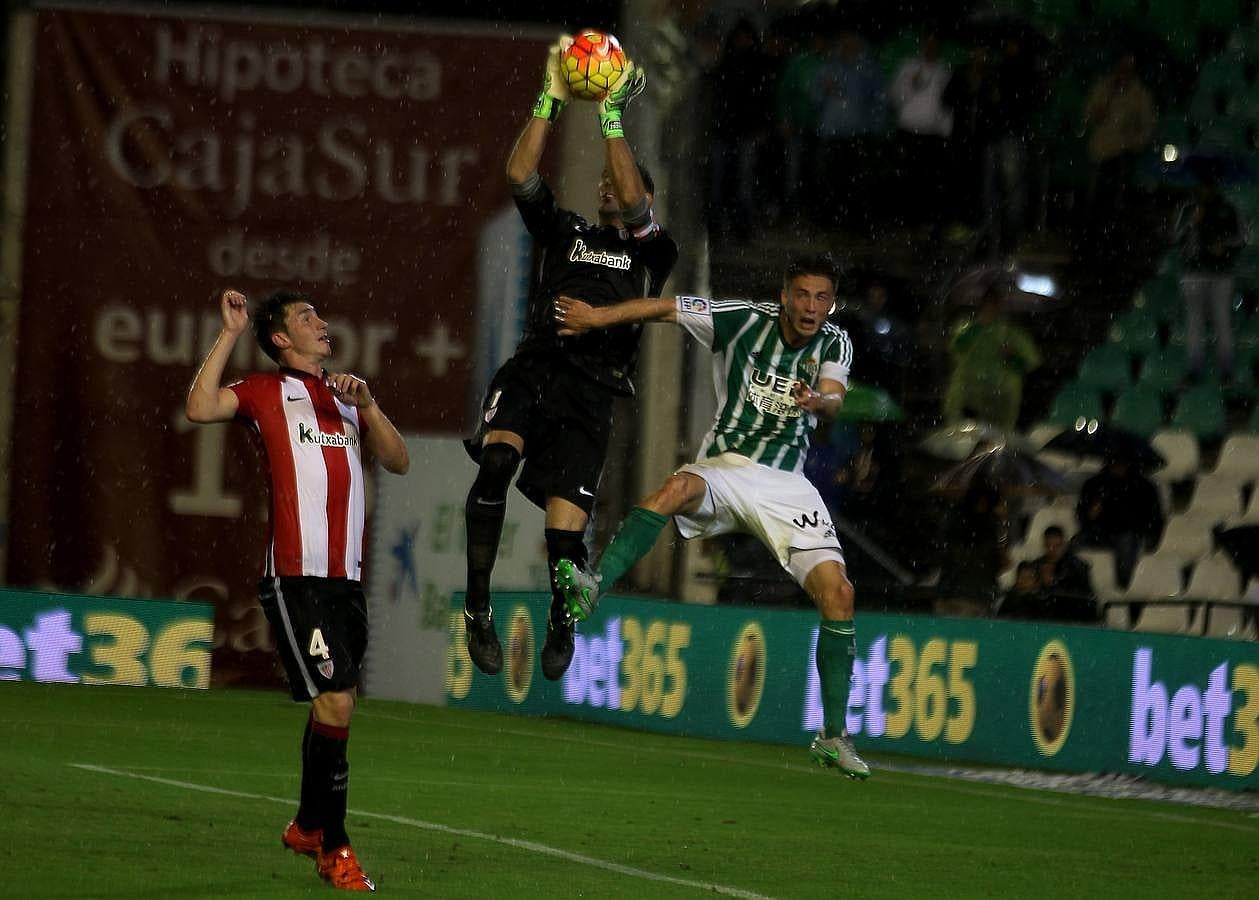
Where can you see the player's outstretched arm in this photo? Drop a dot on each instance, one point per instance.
(208, 400)
(626, 180)
(526, 153)
(573, 316)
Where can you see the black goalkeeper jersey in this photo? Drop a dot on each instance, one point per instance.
(596, 263)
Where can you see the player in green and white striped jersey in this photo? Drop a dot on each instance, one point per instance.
(777, 369)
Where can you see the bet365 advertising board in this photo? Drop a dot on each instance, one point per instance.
(69, 638)
(1174, 709)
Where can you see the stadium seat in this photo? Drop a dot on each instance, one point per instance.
(1216, 495)
(1239, 458)
(1167, 617)
(1250, 515)
(1102, 573)
(1180, 449)
(1188, 536)
(1156, 578)
(1200, 409)
(1139, 410)
(1074, 401)
(1163, 370)
(1106, 367)
(1160, 298)
(1136, 331)
(1117, 615)
(1229, 622)
(1214, 578)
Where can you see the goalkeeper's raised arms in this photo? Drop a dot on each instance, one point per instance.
(625, 89)
(554, 93)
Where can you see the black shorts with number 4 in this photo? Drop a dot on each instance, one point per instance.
(320, 627)
(565, 418)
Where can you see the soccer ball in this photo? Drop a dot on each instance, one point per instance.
(592, 64)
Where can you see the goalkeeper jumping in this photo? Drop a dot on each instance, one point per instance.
(550, 405)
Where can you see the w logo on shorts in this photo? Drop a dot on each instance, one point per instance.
(807, 521)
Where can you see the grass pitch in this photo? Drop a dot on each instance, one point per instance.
(148, 793)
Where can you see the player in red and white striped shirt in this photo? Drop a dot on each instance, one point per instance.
(312, 424)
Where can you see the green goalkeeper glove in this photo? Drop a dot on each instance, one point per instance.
(625, 89)
(554, 93)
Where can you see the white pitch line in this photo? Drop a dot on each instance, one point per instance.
(531, 846)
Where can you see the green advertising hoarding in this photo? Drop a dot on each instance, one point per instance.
(104, 640)
(1174, 709)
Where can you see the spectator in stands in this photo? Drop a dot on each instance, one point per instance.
(991, 355)
(796, 109)
(1065, 580)
(1119, 118)
(1024, 599)
(1010, 93)
(923, 124)
(742, 119)
(961, 99)
(1119, 509)
(976, 550)
(884, 341)
(848, 88)
(1210, 234)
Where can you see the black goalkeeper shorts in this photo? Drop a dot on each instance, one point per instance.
(320, 627)
(565, 419)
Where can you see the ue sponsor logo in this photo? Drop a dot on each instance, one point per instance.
(1186, 723)
(592, 678)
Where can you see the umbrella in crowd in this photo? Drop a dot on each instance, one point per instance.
(1016, 472)
(960, 440)
(1018, 291)
(1228, 167)
(866, 403)
(1095, 439)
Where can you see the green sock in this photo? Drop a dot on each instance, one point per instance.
(836, 649)
(636, 535)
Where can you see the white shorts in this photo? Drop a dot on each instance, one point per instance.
(781, 508)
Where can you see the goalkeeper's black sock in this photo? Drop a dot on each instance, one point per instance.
(329, 775)
(483, 514)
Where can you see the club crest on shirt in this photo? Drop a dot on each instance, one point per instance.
(808, 370)
(326, 668)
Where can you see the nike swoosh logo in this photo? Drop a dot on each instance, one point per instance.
(584, 492)
(292, 399)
